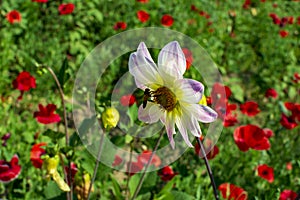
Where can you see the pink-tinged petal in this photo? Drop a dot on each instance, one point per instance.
(171, 61)
(182, 127)
(188, 90)
(142, 67)
(191, 123)
(202, 113)
(151, 113)
(170, 128)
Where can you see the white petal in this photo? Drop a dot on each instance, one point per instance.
(191, 123)
(151, 113)
(142, 67)
(188, 90)
(202, 113)
(171, 61)
(182, 127)
(170, 128)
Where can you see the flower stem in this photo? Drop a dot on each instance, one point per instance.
(97, 164)
(61, 93)
(208, 168)
(137, 190)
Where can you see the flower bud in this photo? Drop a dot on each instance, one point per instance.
(110, 117)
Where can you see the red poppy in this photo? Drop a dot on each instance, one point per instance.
(4, 139)
(213, 151)
(250, 108)
(296, 77)
(247, 4)
(74, 170)
(134, 167)
(144, 157)
(167, 20)
(232, 192)
(66, 8)
(276, 19)
(294, 108)
(298, 20)
(204, 14)
(251, 136)
(40, 1)
(289, 166)
(291, 20)
(118, 160)
(143, 1)
(46, 115)
(120, 26)
(127, 100)
(288, 122)
(194, 8)
(36, 153)
(9, 170)
(283, 33)
(143, 16)
(268, 132)
(230, 120)
(266, 172)
(271, 93)
(220, 93)
(288, 195)
(166, 173)
(24, 82)
(13, 16)
(188, 56)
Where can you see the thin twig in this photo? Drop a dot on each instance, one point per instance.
(97, 164)
(208, 168)
(127, 194)
(137, 190)
(68, 176)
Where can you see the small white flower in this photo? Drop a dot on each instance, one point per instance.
(173, 99)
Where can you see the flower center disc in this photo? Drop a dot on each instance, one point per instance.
(165, 97)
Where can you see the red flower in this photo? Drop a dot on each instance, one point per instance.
(230, 120)
(294, 108)
(36, 153)
(120, 26)
(251, 136)
(134, 167)
(167, 20)
(289, 166)
(291, 20)
(296, 77)
(9, 170)
(144, 157)
(283, 33)
(276, 19)
(207, 146)
(188, 56)
(46, 115)
(298, 20)
(143, 16)
(143, 1)
(220, 93)
(118, 160)
(288, 122)
(4, 139)
(127, 100)
(268, 132)
(13, 16)
(74, 170)
(288, 195)
(271, 93)
(249, 108)
(232, 192)
(266, 172)
(66, 8)
(246, 4)
(40, 1)
(167, 173)
(24, 82)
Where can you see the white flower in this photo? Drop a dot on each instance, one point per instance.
(173, 99)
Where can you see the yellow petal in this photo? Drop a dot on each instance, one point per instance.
(203, 100)
(60, 182)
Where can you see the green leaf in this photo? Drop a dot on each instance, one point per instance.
(116, 188)
(53, 135)
(62, 75)
(133, 182)
(132, 112)
(86, 125)
(51, 190)
(181, 195)
(75, 140)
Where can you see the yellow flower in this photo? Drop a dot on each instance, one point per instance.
(203, 100)
(110, 117)
(51, 164)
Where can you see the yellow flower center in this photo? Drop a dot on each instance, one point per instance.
(165, 97)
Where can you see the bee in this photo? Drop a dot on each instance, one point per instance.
(147, 95)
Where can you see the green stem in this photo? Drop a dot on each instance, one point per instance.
(137, 190)
(97, 164)
(212, 180)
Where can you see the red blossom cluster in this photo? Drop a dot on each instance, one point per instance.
(292, 120)
(281, 22)
(203, 14)
(232, 192)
